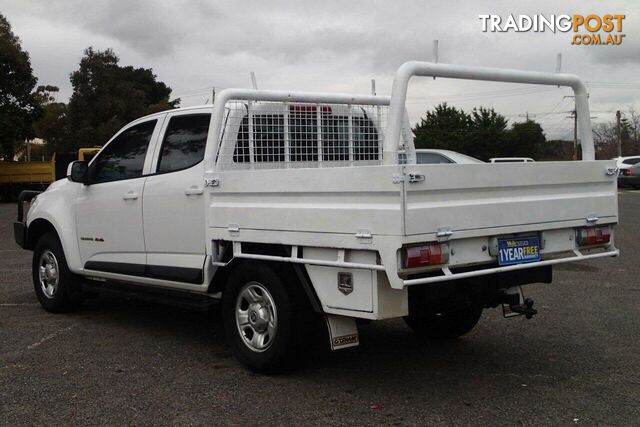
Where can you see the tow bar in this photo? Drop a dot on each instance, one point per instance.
(515, 304)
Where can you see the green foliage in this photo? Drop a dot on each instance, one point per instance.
(107, 96)
(52, 126)
(445, 127)
(526, 139)
(483, 133)
(19, 105)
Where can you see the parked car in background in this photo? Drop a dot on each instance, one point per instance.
(626, 162)
(630, 176)
(429, 156)
(511, 160)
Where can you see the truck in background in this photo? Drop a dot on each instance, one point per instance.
(37, 175)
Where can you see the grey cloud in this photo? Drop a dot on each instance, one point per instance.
(626, 53)
(328, 45)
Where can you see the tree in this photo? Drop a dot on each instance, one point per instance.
(605, 136)
(526, 139)
(445, 127)
(52, 125)
(18, 103)
(488, 133)
(480, 134)
(106, 96)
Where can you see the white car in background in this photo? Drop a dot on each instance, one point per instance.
(625, 165)
(429, 156)
(511, 160)
(626, 162)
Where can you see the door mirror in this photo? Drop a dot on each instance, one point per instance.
(78, 171)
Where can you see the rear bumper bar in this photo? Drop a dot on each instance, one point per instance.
(448, 275)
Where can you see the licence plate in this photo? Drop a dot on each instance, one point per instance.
(518, 250)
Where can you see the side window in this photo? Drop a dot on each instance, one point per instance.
(124, 157)
(431, 158)
(184, 142)
(632, 161)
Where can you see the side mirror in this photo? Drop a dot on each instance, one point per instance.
(78, 171)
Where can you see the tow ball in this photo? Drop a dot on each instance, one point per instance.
(515, 304)
(526, 308)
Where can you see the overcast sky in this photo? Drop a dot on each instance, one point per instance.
(336, 46)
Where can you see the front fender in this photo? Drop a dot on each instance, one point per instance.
(57, 206)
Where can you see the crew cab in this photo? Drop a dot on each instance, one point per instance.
(295, 207)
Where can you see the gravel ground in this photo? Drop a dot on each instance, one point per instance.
(127, 362)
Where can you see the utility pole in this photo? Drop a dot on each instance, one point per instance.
(574, 115)
(618, 115)
(213, 94)
(526, 115)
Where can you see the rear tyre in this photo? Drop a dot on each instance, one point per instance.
(264, 318)
(443, 322)
(56, 287)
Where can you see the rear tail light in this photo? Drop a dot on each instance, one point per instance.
(593, 236)
(625, 172)
(424, 255)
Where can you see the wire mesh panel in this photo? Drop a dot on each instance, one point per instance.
(283, 135)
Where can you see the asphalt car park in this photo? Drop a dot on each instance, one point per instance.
(120, 361)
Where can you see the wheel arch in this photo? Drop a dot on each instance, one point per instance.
(290, 272)
(38, 228)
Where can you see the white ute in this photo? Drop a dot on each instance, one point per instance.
(291, 207)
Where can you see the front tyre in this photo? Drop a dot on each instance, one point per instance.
(262, 318)
(55, 285)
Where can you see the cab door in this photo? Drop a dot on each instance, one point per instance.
(109, 208)
(173, 209)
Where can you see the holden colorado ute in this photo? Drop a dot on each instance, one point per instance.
(289, 207)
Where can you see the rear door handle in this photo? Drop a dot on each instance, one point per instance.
(130, 195)
(194, 190)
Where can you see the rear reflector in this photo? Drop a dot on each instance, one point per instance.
(422, 256)
(593, 236)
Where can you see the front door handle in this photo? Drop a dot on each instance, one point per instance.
(194, 190)
(130, 195)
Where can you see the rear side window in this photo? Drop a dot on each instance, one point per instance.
(268, 142)
(631, 161)
(124, 157)
(184, 142)
(431, 158)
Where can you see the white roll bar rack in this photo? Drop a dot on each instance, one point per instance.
(429, 69)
